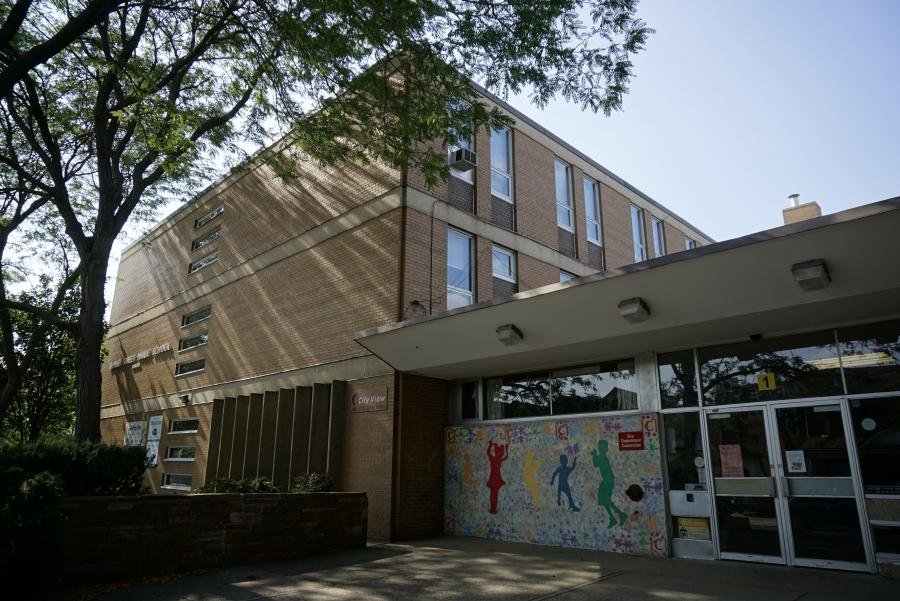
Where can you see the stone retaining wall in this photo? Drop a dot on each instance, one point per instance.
(107, 538)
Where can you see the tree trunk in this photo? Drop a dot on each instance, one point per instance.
(90, 342)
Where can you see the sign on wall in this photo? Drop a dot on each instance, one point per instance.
(369, 399)
(134, 433)
(153, 435)
(631, 441)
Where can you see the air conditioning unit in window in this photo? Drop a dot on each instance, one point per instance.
(463, 159)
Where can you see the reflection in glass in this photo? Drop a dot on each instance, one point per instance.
(871, 357)
(876, 426)
(468, 392)
(606, 387)
(826, 528)
(737, 445)
(677, 381)
(887, 539)
(748, 525)
(781, 368)
(684, 451)
(517, 396)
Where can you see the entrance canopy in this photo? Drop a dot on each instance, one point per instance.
(723, 292)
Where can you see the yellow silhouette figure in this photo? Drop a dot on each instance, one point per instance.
(467, 478)
(529, 478)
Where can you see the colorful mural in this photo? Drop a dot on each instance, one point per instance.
(593, 483)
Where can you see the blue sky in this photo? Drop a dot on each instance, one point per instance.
(736, 104)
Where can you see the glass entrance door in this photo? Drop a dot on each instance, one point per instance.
(785, 485)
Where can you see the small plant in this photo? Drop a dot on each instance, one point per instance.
(312, 482)
(243, 486)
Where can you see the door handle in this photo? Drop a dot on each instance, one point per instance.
(785, 487)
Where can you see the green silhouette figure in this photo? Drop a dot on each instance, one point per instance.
(607, 484)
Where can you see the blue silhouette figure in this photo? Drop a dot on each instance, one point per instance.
(563, 472)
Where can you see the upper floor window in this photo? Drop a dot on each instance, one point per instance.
(184, 426)
(592, 211)
(190, 367)
(564, 196)
(196, 316)
(637, 234)
(463, 140)
(209, 217)
(689, 244)
(193, 342)
(202, 241)
(659, 237)
(503, 264)
(501, 164)
(203, 262)
(460, 288)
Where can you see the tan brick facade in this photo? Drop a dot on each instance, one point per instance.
(307, 261)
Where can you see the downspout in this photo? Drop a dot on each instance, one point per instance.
(398, 386)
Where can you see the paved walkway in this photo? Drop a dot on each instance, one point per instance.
(453, 569)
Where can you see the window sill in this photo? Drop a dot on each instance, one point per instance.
(179, 488)
(193, 323)
(178, 459)
(190, 373)
(191, 348)
(182, 432)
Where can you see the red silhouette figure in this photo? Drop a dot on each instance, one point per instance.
(495, 481)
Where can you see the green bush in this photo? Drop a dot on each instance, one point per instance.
(33, 479)
(312, 482)
(245, 486)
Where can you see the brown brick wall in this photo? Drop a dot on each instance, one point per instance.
(300, 311)
(419, 501)
(616, 227)
(534, 273)
(533, 179)
(107, 538)
(262, 209)
(368, 452)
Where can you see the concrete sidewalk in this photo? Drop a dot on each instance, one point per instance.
(451, 568)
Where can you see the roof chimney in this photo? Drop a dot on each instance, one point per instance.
(798, 211)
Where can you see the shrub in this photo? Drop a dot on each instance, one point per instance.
(33, 479)
(244, 486)
(312, 482)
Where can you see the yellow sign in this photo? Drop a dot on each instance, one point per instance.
(696, 528)
(765, 381)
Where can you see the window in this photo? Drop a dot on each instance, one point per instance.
(637, 233)
(468, 392)
(204, 262)
(504, 264)
(677, 380)
(563, 196)
(870, 355)
(565, 276)
(876, 425)
(181, 453)
(177, 481)
(789, 367)
(501, 164)
(459, 269)
(689, 244)
(184, 426)
(659, 237)
(589, 389)
(592, 211)
(209, 217)
(211, 235)
(684, 451)
(190, 367)
(192, 342)
(463, 140)
(196, 316)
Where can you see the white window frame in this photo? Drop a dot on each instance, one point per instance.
(182, 347)
(209, 217)
(469, 293)
(187, 316)
(178, 374)
(565, 276)
(567, 204)
(204, 240)
(203, 262)
(589, 181)
(169, 456)
(466, 176)
(512, 264)
(638, 236)
(689, 243)
(507, 132)
(166, 482)
(196, 428)
(659, 236)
